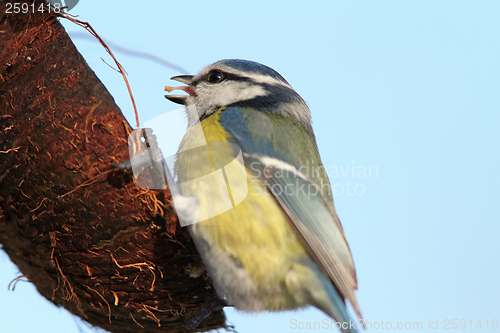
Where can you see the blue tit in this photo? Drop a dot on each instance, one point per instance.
(280, 244)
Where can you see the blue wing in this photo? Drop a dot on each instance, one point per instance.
(284, 152)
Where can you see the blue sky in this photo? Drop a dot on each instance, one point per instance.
(410, 89)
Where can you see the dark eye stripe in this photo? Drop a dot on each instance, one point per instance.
(276, 94)
(227, 76)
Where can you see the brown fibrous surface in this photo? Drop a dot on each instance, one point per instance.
(81, 231)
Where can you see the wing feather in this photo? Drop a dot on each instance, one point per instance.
(317, 225)
(275, 153)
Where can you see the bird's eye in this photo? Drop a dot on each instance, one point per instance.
(215, 76)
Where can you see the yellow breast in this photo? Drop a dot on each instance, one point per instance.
(254, 230)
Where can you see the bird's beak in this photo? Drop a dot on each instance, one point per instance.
(180, 99)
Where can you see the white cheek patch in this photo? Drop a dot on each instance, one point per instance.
(248, 91)
(235, 92)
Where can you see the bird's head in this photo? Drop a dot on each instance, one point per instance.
(239, 83)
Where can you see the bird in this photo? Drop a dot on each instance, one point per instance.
(270, 240)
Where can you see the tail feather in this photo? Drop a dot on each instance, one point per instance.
(337, 309)
(309, 285)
